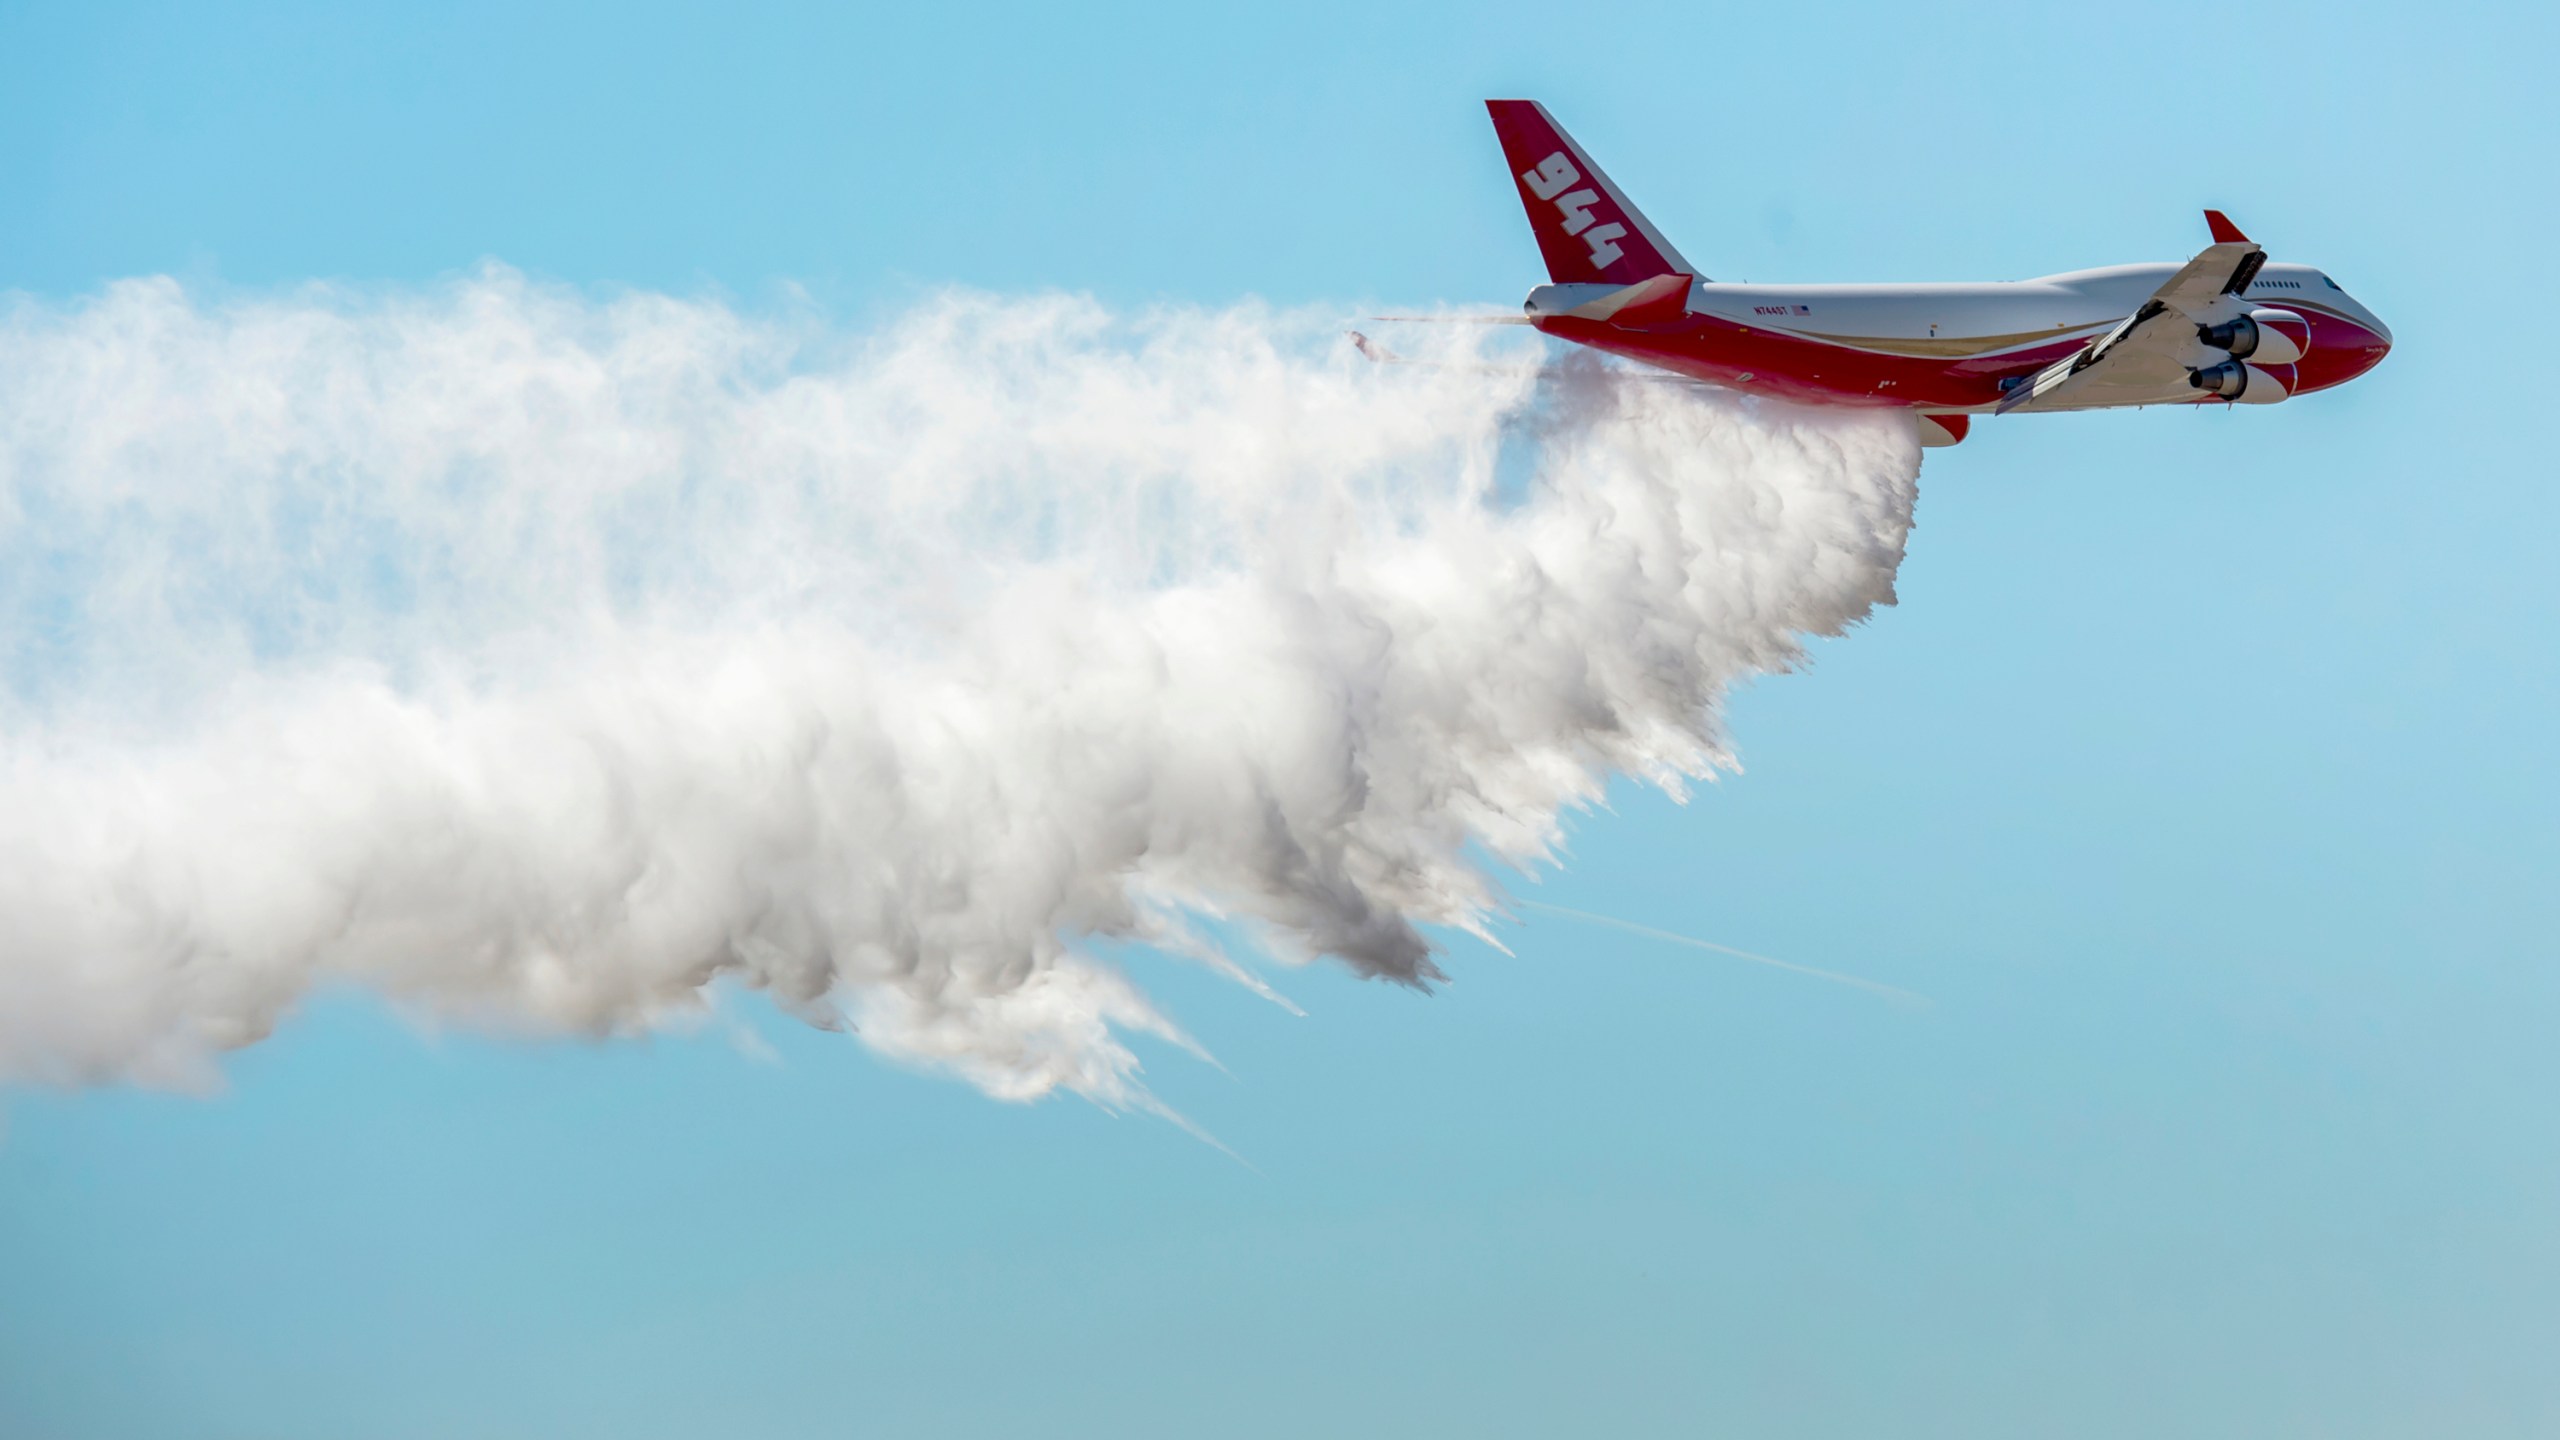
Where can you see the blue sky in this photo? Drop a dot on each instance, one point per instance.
(2203, 779)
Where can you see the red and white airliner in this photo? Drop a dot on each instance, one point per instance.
(2225, 326)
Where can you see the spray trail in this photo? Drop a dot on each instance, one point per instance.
(1894, 993)
(537, 661)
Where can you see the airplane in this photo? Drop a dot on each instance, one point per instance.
(2225, 327)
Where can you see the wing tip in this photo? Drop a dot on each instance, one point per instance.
(2224, 232)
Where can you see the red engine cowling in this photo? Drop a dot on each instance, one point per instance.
(2243, 383)
(2269, 337)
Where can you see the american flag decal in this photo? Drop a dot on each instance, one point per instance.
(1804, 309)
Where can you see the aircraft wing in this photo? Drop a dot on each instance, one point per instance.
(2145, 359)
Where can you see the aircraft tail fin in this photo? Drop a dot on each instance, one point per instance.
(1586, 229)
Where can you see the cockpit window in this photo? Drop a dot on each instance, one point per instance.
(2332, 284)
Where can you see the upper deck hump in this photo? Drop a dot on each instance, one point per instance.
(1966, 317)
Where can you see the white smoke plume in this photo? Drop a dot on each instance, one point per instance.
(537, 661)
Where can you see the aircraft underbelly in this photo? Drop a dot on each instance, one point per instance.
(1788, 367)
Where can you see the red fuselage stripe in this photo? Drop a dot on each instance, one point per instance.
(1792, 367)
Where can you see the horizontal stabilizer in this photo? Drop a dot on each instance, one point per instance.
(1646, 302)
(1650, 302)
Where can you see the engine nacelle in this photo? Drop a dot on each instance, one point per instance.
(2244, 383)
(2270, 337)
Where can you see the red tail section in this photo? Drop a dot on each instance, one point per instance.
(1586, 229)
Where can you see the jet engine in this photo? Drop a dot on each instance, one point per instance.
(2245, 383)
(2270, 337)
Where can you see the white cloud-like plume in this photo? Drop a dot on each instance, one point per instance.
(538, 661)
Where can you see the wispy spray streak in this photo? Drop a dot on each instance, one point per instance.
(1877, 987)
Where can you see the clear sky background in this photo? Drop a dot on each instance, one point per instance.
(2204, 778)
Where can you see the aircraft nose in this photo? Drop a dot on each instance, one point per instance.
(2344, 345)
(2377, 346)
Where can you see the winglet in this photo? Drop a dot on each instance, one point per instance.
(2224, 232)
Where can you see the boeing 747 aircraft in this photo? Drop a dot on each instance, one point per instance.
(2225, 326)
